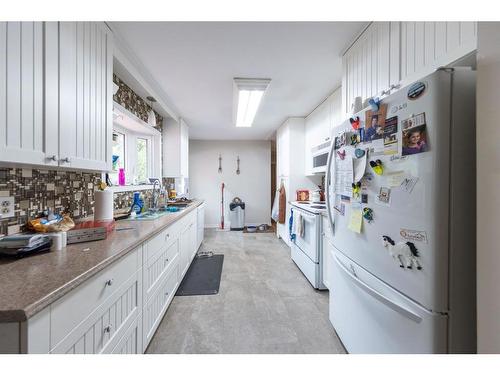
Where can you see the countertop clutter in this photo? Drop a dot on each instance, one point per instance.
(32, 283)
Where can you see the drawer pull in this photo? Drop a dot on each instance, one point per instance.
(109, 282)
(108, 329)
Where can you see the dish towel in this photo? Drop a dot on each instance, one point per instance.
(291, 226)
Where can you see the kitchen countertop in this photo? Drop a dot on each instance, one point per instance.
(30, 284)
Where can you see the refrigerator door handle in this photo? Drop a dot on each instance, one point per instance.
(387, 301)
(328, 178)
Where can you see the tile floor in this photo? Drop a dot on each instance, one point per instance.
(264, 305)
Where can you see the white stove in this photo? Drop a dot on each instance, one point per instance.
(307, 249)
(313, 207)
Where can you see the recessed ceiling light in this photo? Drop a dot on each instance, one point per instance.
(248, 93)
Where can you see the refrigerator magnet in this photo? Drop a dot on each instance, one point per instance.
(377, 166)
(374, 104)
(384, 196)
(413, 235)
(355, 122)
(368, 214)
(364, 198)
(356, 189)
(403, 252)
(416, 90)
(359, 153)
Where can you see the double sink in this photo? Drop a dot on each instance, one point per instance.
(153, 215)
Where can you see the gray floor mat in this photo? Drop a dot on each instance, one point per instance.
(202, 277)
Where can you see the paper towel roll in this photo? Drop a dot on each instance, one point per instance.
(103, 205)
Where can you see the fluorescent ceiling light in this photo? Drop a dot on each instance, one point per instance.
(248, 93)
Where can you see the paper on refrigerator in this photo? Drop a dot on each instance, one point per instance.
(343, 176)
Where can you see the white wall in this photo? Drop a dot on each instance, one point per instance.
(252, 185)
(488, 181)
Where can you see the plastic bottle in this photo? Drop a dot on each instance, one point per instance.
(121, 177)
(137, 204)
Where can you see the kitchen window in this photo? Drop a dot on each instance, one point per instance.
(136, 148)
(143, 162)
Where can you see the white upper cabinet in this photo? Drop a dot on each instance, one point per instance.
(426, 46)
(283, 151)
(55, 89)
(22, 135)
(319, 125)
(85, 95)
(175, 148)
(388, 55)
(371, 65)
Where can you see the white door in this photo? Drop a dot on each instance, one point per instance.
(371, 317)
(24, 136)
(423, 209)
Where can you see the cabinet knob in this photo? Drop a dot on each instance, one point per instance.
(166, 293)
(109, 282)
(166, 260)
(52, 158)
(64, 160)
(108, 329)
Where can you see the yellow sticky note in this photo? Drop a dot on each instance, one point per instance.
(356, 221)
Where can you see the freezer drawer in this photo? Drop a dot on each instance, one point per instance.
(371, 317)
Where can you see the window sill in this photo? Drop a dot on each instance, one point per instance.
(125, 188)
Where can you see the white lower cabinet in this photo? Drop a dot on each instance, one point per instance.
(155, 308)
(119, 309)
(104, 328)
(131, 342)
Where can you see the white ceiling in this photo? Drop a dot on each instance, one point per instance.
(195, 62)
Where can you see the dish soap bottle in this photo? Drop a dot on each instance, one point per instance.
(137, 204)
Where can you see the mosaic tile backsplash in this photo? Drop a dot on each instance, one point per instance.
(35, 191)
(126, 97)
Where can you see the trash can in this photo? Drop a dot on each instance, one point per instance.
(237, 214)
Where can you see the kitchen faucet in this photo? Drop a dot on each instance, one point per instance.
(154, 204)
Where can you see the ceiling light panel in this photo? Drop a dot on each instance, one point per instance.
(248, 93)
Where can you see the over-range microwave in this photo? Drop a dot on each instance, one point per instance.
(320, 157)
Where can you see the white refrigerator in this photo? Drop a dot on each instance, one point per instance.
(420, 194)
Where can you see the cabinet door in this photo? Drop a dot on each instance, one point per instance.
(85, 96)
(184, 157)
(22, 135)
(131, 342)
(336, 113)
(185, 250)
(283, 150)
(156, 307)
(200, 224)
(426, 46)
(366, 65)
